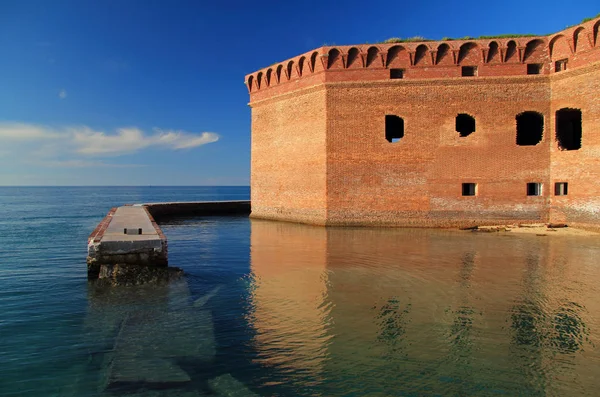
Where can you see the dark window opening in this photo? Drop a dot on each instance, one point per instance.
(469, 71)
(534, 68)
(534, 189)
(530, 128)
(568, 129)
(511, 51)
(469, 189)
(465, 124)
(396, 73)
(561, 188)
(560, 65)
(394, 128)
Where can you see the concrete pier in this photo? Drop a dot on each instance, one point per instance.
(128, 247)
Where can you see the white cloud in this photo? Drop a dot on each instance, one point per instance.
(62, 94)
(27, 132)
(85, 141)
(77, 163)
(132, 139)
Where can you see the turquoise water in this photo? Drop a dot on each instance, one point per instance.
(279, 309)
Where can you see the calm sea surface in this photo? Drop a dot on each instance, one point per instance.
(279, 309)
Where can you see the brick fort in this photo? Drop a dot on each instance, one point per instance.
(431, 134)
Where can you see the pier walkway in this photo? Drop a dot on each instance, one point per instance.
(128, 244)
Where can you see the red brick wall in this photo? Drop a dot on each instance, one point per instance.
(580, 89)
(319, 153)
(418, 180)
(288, 157)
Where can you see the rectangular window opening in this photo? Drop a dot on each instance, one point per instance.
(396, 73)
(534, 68)
(469, 71)
(560, 65)
(561, 188)
(394, 128)
(534, 189)
(469, 189)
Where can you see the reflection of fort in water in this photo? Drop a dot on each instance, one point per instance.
(391, 310)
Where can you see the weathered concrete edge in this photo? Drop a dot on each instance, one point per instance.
(98, 232)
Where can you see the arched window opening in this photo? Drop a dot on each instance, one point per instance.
(443, 53)
(394, 128)
(313, 61)
(568, 129)
(334, 54)
(534, 51)
(511, 52)
(290, 68)
(493, 52)
(301, 65)
(580, 40)
(468, 52)
(353, 55)
(372, 55)
(278, 72)
(396, 56)
(259, 80)
(465, 124)
(420, 55)
(268, 77)
(530, 128)
(559, 48)
(250, 82)
(596, 33)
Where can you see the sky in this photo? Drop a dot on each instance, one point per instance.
(150, 92)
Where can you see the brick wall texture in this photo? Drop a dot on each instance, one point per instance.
(320, 155)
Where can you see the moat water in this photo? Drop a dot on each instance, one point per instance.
(279, 309)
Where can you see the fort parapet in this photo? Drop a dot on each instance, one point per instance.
(448, 133)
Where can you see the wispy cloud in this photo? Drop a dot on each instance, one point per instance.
(62, 94)
(85, 141)
(132, 139)
(28, 132)
(78, 163)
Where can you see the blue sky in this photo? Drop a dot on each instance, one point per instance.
(151, 92)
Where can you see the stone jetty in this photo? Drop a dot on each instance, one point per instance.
(129, 248)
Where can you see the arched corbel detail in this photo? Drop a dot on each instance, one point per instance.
(521, 53)
(571, 44)
(344, 60)
(503, 51)
(590, 38)
(433, 54)
(455, 53)
(412, 55)
(324, 60)
(384, 57)
(363, 59)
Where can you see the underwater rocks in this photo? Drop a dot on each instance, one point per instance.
(127, 275)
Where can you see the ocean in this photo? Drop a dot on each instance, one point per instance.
(281, 309)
